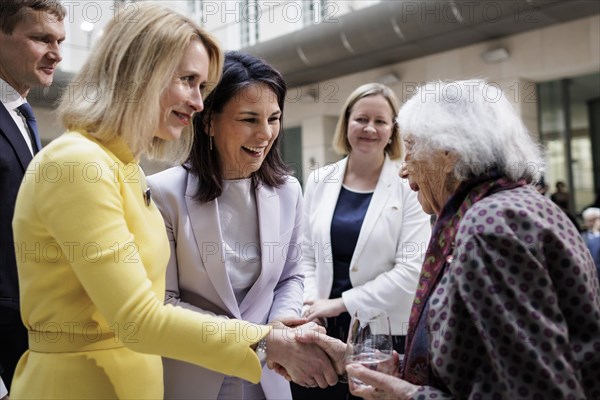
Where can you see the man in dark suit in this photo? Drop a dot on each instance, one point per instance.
(30, 34)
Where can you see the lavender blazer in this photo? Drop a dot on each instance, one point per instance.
(197, 279)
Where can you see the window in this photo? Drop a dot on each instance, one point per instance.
(249, 16)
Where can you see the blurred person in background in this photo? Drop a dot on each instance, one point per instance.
(91, 246)
(542, 187)
(233, 217)
(363, 227)
(591, 220)
(31, 32)
(561, 198)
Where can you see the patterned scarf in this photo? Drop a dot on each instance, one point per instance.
(416, 368)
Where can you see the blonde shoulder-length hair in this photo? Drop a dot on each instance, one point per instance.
(341, 145)
(116, 94)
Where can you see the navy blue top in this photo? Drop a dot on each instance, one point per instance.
(347, 220)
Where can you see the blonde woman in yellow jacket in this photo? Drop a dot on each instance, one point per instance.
(90, 243)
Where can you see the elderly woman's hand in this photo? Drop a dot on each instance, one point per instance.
(305, 363)
(380, 386)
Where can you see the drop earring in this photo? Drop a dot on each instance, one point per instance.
(210, 143)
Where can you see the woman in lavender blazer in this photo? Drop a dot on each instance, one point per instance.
(233, 218)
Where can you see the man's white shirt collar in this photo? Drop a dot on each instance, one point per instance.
(11, 99)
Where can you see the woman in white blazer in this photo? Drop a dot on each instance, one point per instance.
(364, 230)
(233, 218)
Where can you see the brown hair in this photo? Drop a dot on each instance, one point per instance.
(13, 11)
(240, 70)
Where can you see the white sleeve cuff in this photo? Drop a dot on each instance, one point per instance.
(3, 391)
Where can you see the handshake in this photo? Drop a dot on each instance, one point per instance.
(302, 352)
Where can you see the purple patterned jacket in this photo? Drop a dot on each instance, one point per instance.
(516, 314)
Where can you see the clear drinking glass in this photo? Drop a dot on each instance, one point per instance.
(369, 340)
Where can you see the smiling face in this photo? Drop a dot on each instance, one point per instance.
(183, 95)
(431, 177)
(31, 52)
(370, 125)
(244, 131)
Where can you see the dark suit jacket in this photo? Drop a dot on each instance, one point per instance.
(14, 158)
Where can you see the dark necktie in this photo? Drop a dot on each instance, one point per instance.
(27, 112)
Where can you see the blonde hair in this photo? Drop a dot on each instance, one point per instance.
(341, 145)
(117, 92)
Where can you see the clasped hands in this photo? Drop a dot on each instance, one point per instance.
(302, 352)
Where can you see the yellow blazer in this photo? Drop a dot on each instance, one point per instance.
(91, 258)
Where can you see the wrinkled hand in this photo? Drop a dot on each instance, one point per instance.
(334, 348)
(324, 308)
(304, 363)
(289, 322)
(379, 385)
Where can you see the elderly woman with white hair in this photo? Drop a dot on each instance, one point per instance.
(508, 303)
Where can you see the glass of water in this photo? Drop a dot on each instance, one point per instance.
(370, 341)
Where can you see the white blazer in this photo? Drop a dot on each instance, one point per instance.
(387, 260)
(197, 279)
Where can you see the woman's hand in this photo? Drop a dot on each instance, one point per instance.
(306, 363)
(288, 322)
(334, 348)
(380, 386)
(324, 308)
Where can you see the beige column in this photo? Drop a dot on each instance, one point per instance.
(317, 135)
